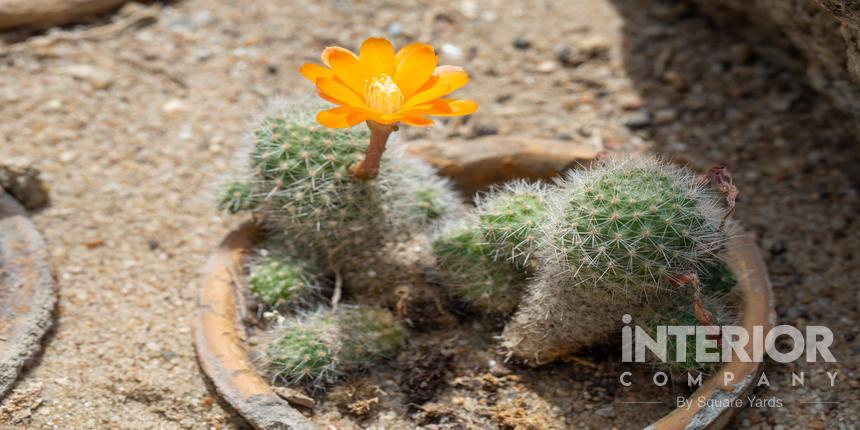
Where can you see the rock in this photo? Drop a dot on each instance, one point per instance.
(484, 129)
(824, 32)
(469, 9)
(294, 397)
(589, 49)
(453, 52)
(98, 78)
(174, 106)
(632, 102)
(594, 47)
(395, 29)
(546, 66)
(24, 184)
(664, 116)
(15, 13)
(607, 411)
(522, 43)
(566, 57)
(817, 425)
(637, 120)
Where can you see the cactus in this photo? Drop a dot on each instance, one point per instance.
(468, 266)
(277, 281)
(510, 218)
(318, 348)
(300, 181)
(236, 197)
(717, 278)
(679, 311)
(306, 350)
(622, 233)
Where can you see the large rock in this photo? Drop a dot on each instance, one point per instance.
(826, 33)
(41, 13)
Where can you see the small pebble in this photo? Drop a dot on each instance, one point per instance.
(395, 29)
(522, 43)
(606, 411)
(452, 51)
(98, 78)
(484, 129)
(546, 66)
(637, 120)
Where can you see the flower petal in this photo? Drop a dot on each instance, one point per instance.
(377, 56)
(417, 120)
(390, 118)
(415, 69)
(348, 68)
(315, 71)
(405, 52)
(436, 91)
(357, 116)
(339, 93)
(335, 117)
(451, 75)
(445, 107)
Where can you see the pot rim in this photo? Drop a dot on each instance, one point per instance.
(26, 313)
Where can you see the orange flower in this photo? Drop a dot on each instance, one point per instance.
(385, 88)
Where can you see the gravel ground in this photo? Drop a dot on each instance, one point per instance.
(133, 123)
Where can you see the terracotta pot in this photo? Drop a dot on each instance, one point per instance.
(220, 339)
(27, 296)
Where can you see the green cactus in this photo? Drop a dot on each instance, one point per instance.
(680, 311)
(236, 197)
(318, 348)
(468, 266)
(282, 280)
(306, 350)
(635, 225)
(301, 184)
(510, 218)
(621, 233)
(717, 278)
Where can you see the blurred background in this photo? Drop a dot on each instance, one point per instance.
(132, 112)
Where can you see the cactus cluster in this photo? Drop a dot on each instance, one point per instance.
(566, 259)
(316, 349)
(371, 235)
(603, 242)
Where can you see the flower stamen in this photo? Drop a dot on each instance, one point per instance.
(383, 95)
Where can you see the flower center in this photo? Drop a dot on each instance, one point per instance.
(383, 95)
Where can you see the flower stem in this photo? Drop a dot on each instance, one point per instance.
(368, 168)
